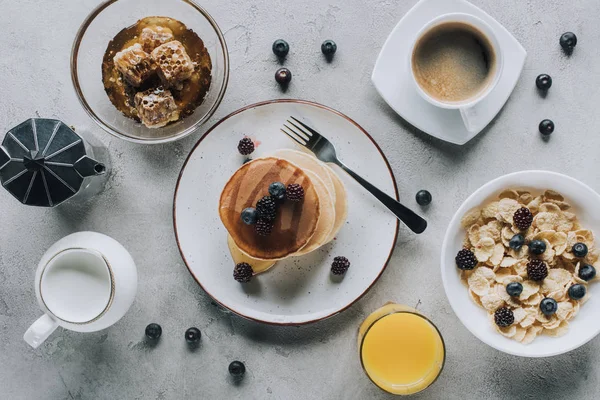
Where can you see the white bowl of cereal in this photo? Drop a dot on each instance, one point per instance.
(562, 212)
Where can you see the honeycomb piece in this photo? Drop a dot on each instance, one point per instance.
(154, 36)
(174, 64)
(156, 107)
(135, 64)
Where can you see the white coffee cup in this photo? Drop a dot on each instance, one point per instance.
(85, 282)
(468, 108)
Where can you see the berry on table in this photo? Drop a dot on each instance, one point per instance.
(423, 198)
(587, 272)
(514, 289)
(281, 48)
(277, 190)
(246, 146)
(249, 216)
(504, 317)
(523, 218)
(283, 76)
(537, 270)
(543, 82)
(153, 331)
(577, 292)
(517, 242)
(328, 48)
(466, 260)
(193, 335)
(340, 265)
(294, 192)
(537, 247)
(266, 208)
(580, 250)
(568, 41)
(263, 227)
(548, 306)
(546, 127)
(237, 369)
(243, 272)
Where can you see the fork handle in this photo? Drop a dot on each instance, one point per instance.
(410, 219)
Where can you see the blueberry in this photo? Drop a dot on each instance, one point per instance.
(548, 306)
(546, 127)
(587, 272)
(281, 48)
(580, 250)
(153, 331)
(237, 369)
(249, 216)
(568, 41)
(517, 242)
(328, 48)
(537, 247)
(193, 335)
(543, 82)
(423, 198)
(577, 292)
(277, 190)
(283, 76)
(514, 289)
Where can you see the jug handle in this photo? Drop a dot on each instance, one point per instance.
(39, 331)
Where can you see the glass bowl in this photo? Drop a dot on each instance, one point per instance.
(91, 42)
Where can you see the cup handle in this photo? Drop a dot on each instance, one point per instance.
(471, 119)
(39, 331)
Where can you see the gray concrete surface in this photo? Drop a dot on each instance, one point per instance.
(311, 362)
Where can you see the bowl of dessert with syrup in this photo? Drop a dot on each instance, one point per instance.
(152, 73)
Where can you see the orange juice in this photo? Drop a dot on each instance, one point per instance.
(401, 351)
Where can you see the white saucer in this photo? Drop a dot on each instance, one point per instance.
(298, 290)
(392, 80)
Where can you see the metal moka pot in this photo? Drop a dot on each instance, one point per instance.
(44, 163)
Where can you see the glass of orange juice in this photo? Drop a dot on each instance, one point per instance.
(401, 351)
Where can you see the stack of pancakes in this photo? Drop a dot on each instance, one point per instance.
(300, 227)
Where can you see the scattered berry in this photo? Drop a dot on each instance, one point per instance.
(267, 208)
(543, 82)
(548, 306)
(295, 192)
(237, 369)
(193, 335)
(340, 265)
(523, 218)
(263, 227)
(283, 76)
(514, 289)
(281, 48)
(423, 198)
(537, 247)
(517, 242)
(249, 216)
(580, 250)
(153, 331)
(328, 48)
(577, 292)
(504, 317)
(243, 272)
(587, 272)
(246, 146)
(537, 270)
(546, 127)
(465, 259)
(277, 190)
(568, 41)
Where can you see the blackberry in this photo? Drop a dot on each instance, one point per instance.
(263, 227)
(504, 317)
(266, 208)
(246, 146)
(465, 259)
(340, 265)
(537, 270)
(294, 192)
(243, 272)
(523, 218)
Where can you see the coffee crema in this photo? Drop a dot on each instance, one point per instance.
(453, 62)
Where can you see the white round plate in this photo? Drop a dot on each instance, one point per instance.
(298, 290)
(585, 326)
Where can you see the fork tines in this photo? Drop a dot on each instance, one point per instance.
(300, 135)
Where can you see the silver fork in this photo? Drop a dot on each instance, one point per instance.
(307, 137)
